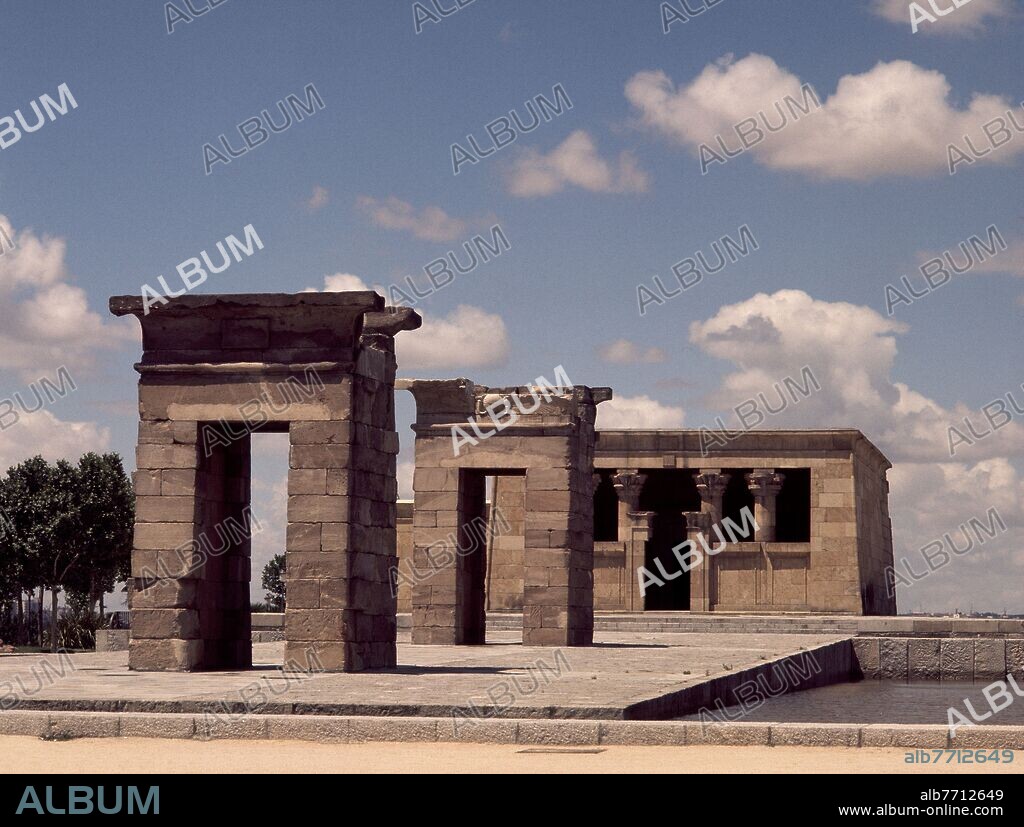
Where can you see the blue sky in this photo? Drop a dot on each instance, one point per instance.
(114, 194)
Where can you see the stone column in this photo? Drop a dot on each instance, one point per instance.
(699, 522)
(637, 525)
(711, 485)
(765, 485)
(628, 485)
(639, 533)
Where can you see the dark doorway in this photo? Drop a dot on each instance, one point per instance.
(667, 530)
(668, 493)
(223, 544)
(793, 507)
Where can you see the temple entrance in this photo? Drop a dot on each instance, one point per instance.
(214, 369)
(667, 530)
(668, 493)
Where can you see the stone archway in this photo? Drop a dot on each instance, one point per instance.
(214, 369)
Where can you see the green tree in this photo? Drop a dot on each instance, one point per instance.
(72, 527)
(26, 491)
(273, 582)
(106, 507)
(10, 576)
(65, 533)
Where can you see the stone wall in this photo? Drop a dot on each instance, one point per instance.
(951, 658)
(550, 447)
(840, 570)
(874, 533)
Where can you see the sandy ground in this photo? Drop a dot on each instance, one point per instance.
(24, 754)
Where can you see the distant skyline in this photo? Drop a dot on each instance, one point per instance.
(599, 147)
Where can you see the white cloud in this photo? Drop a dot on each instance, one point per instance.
(468, 337)
(47, 322)
(340, 282)
(970, 18)
(638, 412)
(319, 199)
(404, 474)
(33, 260)
(929, 502)
(43, 433)
(625, 352)
(429, 223)
(1009, 261)
(895, 119)
(574, 162)
(851, 350)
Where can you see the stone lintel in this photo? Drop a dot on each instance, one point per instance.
(253, 327)
(454, 401)
(719, 447)
(224, 369)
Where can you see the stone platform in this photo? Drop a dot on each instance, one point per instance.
(622, 676)
(266, 625)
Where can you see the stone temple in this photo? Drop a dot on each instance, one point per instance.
(822, 544)
(537, 512)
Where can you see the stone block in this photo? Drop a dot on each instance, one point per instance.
(382, 729)
(157, 725)
(321, 433)
(146, 482)
(165, 655)
(335, 536)
(166, 456)
(164, 623)
(731, 734)
(320, 729)
(163, 535)
(559, 733)
(302, 537)
(924, 659)
(892, 656)
(315, 565)
(319, 456)
(318, 508)
(313, 624)
(904, 735)
(165, 509)
(33, 723)
(469, 730)
(316, 656)
(816, 735)
(989, 659)
(178, 482)
(957, 656)
(1015, 658)
(307, 481)
(64, 725)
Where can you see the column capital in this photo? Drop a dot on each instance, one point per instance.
(711, 483)
(642, 519)
(765, 482)
(697, 522)
(628, 485)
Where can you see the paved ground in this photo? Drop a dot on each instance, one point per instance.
(136, 755)
(594, 682)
